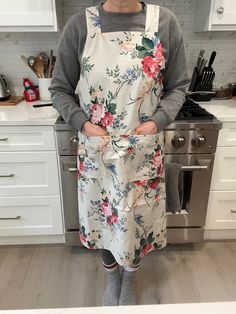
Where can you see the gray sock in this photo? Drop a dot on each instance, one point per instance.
(128, 290)
(112, 291)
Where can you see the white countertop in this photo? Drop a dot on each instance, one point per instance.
(187, 308)
(25, 114)
(224, 110)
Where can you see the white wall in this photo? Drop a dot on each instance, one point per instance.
(12, 45)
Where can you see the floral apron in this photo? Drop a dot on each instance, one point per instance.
(121, 188)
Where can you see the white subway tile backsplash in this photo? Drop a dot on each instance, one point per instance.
(13, 45)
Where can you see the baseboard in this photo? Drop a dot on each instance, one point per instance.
(229, 234)
(48, 239)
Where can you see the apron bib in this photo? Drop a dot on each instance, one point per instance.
(121, 188)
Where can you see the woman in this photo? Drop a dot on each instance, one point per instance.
(129, 62)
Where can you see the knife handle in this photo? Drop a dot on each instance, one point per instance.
(212, 59)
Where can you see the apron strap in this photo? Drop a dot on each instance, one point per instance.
(93, 21)
(152, 18)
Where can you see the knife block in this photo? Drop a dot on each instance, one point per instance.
(195, 85)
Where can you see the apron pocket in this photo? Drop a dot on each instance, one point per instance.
(127, 158)
(89, 156)
(134, 157)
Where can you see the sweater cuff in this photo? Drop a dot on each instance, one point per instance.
(161, 119)
(78, 119)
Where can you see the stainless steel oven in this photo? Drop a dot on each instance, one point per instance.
(192, 145)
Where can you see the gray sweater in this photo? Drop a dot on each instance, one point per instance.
(70, 48)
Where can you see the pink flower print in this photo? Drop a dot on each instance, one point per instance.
(98, 112)
(157, 159)
(112, 219)
(150, 66)
(154, 183)
(141, 183)
(157, 198)
(82, 238)
(107, 119)
(106, 209)
(158, 53)
(81, 166)
(131, 150)
(147, 248)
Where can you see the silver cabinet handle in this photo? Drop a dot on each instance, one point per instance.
(72, 170)
(194, 168)
(7, 175)
(11, 218)
(4, 139)
(233, 211)
(220, 10)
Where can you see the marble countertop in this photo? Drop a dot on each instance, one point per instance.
(187, 308)
(25, 114)
(224, 110)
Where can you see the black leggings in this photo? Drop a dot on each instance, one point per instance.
(109, 260)
(107, 257)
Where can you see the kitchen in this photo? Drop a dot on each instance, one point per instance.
(36, 152)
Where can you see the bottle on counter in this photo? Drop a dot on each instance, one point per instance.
(31, 92)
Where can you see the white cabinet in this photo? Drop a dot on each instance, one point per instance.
(222, 205)
(221, 213)
(224, 174)
(215, 15)
(23, 138)
(30, 216)
(28, 15)
(30, 202)
(28, 173)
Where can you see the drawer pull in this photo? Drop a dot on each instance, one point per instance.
(7, 175)
(4, 139)
(233, 211)
(72, 170)
(11, 218)
(190, 168)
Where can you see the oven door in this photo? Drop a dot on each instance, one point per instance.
(197, 173)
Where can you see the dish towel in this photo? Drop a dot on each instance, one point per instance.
(174, 187)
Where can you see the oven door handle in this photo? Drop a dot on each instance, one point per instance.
(191, 168)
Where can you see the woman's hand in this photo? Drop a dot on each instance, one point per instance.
(91, 129)
(146, 128)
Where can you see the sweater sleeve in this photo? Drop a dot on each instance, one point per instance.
(176, 78)
(66, 75)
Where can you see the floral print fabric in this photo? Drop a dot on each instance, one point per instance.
(121, 188)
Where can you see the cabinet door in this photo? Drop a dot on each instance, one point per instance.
(223, 14)
(20, 216)
(224, 171)
(227, 135)
(26, 138)
(221, 212)
(28, 174)
(25, 15)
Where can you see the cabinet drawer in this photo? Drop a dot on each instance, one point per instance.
(224, 171)
(221, 213)
(23, 138)
(227, 135)
(30, 216)
(28, 174)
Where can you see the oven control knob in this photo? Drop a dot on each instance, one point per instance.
(178, 141)
(198, 141)
(74, 141)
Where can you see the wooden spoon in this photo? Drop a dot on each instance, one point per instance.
(39, 67)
